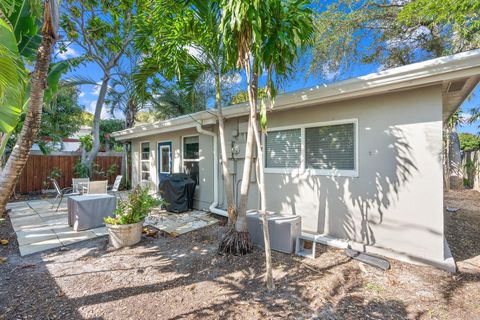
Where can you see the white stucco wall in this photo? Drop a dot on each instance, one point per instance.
(395, 204)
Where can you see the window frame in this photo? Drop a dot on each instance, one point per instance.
(149, 161)
(316, 172)
(159, 160)
(190, 160)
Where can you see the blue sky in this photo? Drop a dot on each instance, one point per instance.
(89, 93)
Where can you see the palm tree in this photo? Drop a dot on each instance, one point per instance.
(21, 150)
(184, 42)
(261, 35)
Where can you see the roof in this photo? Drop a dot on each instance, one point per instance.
(458, 74)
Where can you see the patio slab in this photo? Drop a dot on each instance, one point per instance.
(39, 227)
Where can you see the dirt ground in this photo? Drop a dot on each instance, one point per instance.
(184, 278)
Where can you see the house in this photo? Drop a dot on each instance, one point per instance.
(359, 159)
(68, 145)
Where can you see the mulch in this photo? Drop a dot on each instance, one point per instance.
(184, 278)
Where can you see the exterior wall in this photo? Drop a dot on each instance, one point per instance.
(393, 207)
(204, 192)
(395, 204)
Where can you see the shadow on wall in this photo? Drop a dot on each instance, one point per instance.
(370, 195)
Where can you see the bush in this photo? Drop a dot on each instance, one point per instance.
(135, 209)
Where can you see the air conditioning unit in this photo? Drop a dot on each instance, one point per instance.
(283, 230)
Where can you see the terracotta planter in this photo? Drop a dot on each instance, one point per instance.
(124, 235)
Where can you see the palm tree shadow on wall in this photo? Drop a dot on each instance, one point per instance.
(347, 207)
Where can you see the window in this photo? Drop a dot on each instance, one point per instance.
(330, 147)
(326, 148)
(191, 157)
(282, 148)
(165, 159)
(145, 161)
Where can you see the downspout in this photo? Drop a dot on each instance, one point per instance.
(213, 207)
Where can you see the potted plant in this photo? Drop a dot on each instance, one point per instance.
(125, 228)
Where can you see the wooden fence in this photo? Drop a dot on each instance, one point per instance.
(471, 169)
(39, 167)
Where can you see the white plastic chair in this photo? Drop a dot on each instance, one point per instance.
(97, 187)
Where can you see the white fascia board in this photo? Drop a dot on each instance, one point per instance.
(461, 65)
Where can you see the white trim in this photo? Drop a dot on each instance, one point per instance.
(310, 171)
(149, 162)
(159, 156)
(430, 72)
(190, 160)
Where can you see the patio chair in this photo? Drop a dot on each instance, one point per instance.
(116, 186)
(62, 193)
(97, 187)
(79, 183)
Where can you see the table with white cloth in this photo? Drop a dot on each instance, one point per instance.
(87, 211)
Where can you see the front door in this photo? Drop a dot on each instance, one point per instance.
(164, 159)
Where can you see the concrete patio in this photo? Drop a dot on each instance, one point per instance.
(39, 227)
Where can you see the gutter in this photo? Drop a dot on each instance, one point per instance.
(213, 207)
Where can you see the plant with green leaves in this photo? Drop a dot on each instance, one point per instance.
(135, 209)
(390, 33)
(261, 36)
(104, 30)
(32, 36)
(183, 42)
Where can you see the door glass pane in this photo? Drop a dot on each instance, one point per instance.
(190, 148)
(145, 166)
(165, 159)
(191, 168)
(145, 176)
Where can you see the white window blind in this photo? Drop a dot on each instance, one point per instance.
(330, 147)
(283, 148)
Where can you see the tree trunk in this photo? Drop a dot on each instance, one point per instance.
(21, 151)
(455, 162)
(92, 154)
(236, 240)
(263, 208)
(231, 206)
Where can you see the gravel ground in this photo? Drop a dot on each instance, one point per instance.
(184, 278)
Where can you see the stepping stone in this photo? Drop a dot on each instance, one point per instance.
(39, 246)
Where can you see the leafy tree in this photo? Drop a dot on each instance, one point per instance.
(15, 16)
(242, 96)
(390, 33)
(261, 35)
(108, 126)
(104, 30)
(184, 43)
(469, 142)
(61, 118)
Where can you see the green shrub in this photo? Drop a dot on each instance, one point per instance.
(135, 209)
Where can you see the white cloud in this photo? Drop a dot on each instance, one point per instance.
(68, 53)
(96, 89)
(328, 73)
(81, 94)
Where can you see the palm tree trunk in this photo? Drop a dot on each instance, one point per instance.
(236, 240)
(231, 206)
(21, 151)
(263, 208)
